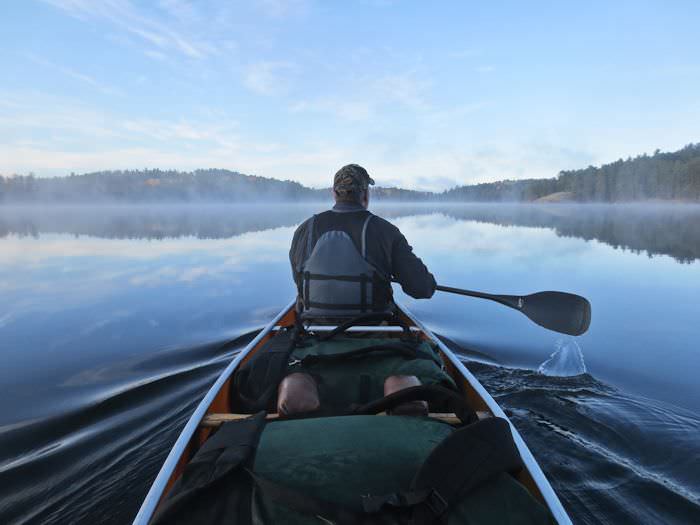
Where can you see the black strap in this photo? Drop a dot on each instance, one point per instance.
(256, 382)
(380, 287)
(464, 460)
(363, 292)
(372, 504)
(357, 307)
(404, 350)
(310, 241)
(429, 393)
(328, 277)
(371, 317)
(364, 281)
(307, 282)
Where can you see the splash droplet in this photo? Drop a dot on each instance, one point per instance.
(566, 361)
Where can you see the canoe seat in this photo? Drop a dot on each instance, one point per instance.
(216, 420)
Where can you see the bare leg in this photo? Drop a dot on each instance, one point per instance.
(393, 384)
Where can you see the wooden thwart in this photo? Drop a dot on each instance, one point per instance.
(215, 420)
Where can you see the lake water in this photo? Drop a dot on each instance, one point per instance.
(112, 319)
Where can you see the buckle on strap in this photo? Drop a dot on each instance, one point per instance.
(432, 498)
(436, 503)
(372, 504)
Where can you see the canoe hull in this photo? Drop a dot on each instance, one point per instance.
(216, 401)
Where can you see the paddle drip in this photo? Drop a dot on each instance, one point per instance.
(566, 361)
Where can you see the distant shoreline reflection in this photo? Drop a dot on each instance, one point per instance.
(654, 229)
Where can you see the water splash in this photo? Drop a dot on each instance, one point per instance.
(566, 361)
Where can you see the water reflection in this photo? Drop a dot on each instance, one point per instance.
(105, 312)
(653, 229)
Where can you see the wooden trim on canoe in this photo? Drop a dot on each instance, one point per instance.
(216, 420)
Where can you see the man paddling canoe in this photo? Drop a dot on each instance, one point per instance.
(344, 259)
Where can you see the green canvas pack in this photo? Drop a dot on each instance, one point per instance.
(339, 459)
(348, 381)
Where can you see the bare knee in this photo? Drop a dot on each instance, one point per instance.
(297, 394)
(393, 384)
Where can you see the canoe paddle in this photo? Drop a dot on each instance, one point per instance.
(559, 311)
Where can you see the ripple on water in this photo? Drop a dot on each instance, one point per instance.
(94, 462)
(611, 457)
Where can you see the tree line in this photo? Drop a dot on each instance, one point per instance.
(663, 176)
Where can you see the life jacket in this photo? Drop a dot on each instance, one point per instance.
(336, 280)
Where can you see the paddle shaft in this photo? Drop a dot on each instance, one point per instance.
(508, 300)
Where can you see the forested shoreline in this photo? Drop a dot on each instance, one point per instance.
(673, 176)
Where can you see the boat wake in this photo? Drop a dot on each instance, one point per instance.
(94, 461)
(566, 361)
(610, 456)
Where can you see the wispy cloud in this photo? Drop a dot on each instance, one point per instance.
(156, 55)
(366, 98)
(151, 30)
(162, 130)
(269, 77)
(408, 89)
(82, 77)
(357, 110)
(281, 8)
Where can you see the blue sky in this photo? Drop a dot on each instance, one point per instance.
(424, 94)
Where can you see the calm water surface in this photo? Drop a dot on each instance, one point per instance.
(113, 319)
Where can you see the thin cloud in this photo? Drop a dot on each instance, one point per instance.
(282, 8)
(365, 99)
(127, 17)
(76, 75)
(358, 110)
(406, 88)
(268, 77)
(156, 55)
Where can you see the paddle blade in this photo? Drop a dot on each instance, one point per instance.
(559, 311)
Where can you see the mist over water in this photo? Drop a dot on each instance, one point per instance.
(113, 319)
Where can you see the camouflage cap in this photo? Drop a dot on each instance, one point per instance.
(351, 179)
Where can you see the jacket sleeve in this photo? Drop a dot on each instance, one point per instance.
(409, 270)
(296, 252)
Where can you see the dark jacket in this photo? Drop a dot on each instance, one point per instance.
(387, 248)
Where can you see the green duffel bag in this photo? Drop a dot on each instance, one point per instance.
(351, 370)
(348, 470)
(348, 461)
